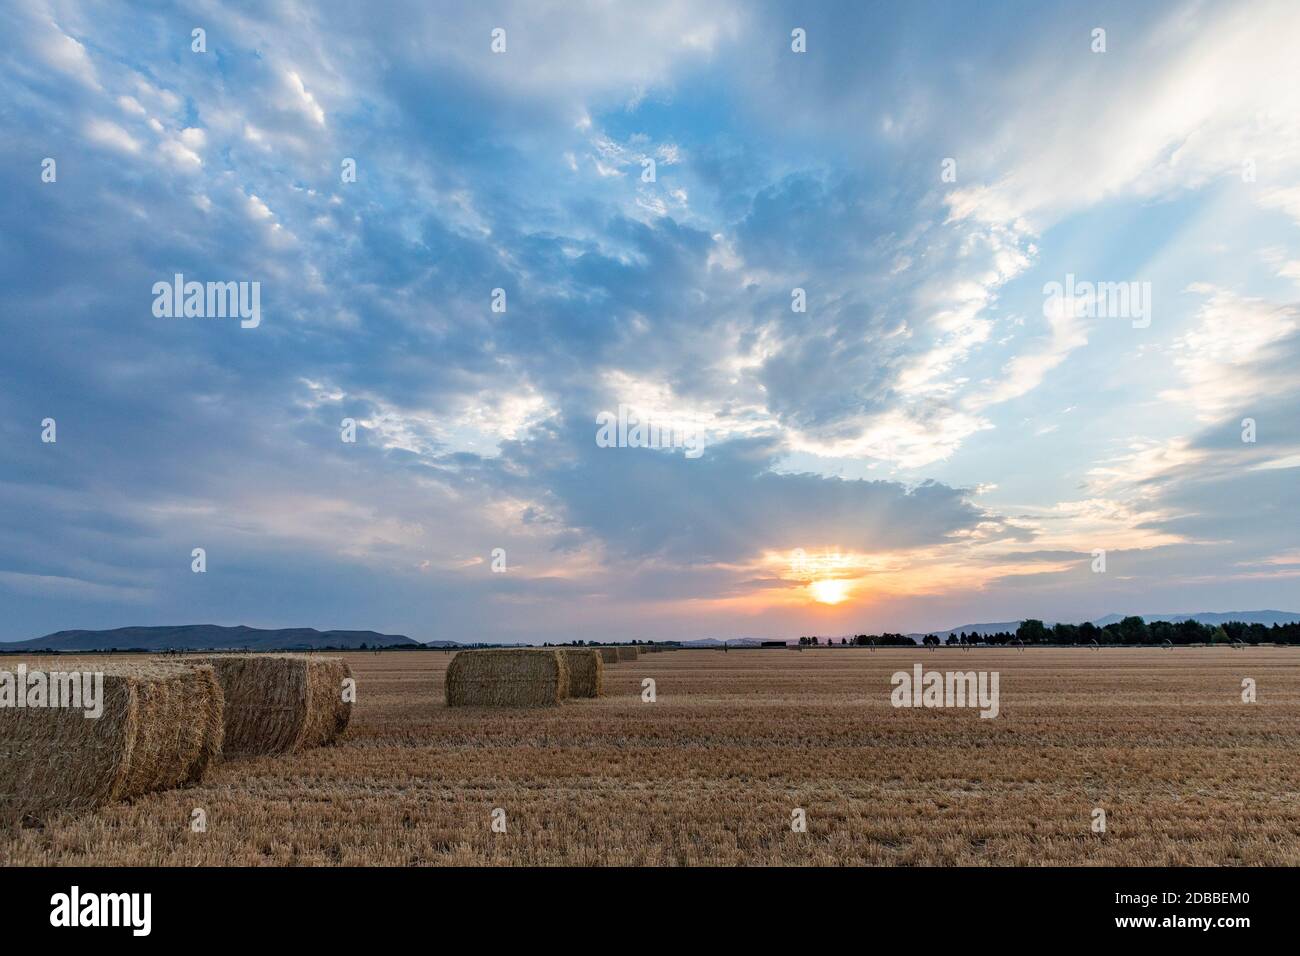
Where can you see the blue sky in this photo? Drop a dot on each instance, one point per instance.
(932, 442)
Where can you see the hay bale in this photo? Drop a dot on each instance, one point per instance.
(586, 671)
(608, 655)
(280, 703)
(160, 728)
(513, 677)
(626, 652)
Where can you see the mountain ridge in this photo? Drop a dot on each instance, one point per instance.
(206, 637)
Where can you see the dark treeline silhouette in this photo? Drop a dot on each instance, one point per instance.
(1134, 631)
(861, 640)
(1130, 632)
(608, 643)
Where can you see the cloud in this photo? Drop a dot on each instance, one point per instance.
(726, 506)
(861, 423)
(64, 53)
(1067, 331)
(53, 587)
(107, 133)
(1208, 105)
(301, 99)
(1239, 349)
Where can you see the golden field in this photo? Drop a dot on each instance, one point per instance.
(709, 773)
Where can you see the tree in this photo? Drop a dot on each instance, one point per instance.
(1162, 631)
(1067, 634)
(1031, 631)
(1133, 630)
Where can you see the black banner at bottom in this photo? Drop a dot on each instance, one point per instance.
(374, 905)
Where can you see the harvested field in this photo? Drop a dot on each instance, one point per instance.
(278, 703)
(709, 774)
(160, 727)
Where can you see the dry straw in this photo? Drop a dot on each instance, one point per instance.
(521, 677)
(160, 728)
(281, 703)
(586, 672)
(626, 652)
(608, 654)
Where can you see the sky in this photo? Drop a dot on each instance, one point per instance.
(847, 254)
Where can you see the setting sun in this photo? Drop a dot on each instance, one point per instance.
(829, 590)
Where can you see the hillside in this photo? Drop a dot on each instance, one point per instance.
(206, 637)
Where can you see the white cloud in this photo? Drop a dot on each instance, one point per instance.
(1225, 359)
(109, 134)
(1025, 372)
(258, 209)
(908, 437)
(1210, 99)
(1285, 198)
(601, 48)
(66, 54)
(301, 100)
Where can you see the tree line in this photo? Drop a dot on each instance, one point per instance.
(861, 640)
(1129, 632)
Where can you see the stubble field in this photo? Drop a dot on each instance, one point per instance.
(709, 773)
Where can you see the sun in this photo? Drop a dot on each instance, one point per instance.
(829, 590)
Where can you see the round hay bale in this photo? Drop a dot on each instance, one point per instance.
(280, 703)
(626, 652)
(511, 677)
(160, 728)
(609, 655)
(586, 671)
(180, 715)
(328, 714)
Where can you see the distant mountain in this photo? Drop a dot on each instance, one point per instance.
(206, 637)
